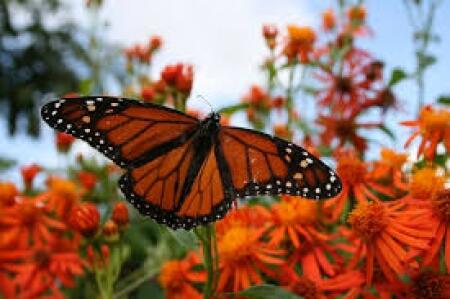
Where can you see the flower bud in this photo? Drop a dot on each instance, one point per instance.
(64, 142)
(155, 42)
(148, 93)
(87, 179)
(110, 230)
(120, 214)
(85, 219)
(29, 173)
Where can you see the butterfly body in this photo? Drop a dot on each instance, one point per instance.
(181, 171)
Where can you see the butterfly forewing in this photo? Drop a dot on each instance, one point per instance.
(126, 131)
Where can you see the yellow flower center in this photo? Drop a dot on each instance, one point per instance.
(296, 211)
(171, 276)
(424, 182)
(441, 204)
(368, 220)
(236, 244)
(435, 119)
(301, 35)
(393, 158)
(351, 169)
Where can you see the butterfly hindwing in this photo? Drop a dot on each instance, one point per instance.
(263, 164)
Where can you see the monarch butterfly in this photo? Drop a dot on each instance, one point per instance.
(181, 171)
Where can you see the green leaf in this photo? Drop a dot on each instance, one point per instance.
(397, 75)
(6, 164)
(445, 100)
(86, 86)
(233, 109)
(425, 60)
(267, 291)
(388, 132)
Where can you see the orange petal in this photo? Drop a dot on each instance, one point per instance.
(435, 245)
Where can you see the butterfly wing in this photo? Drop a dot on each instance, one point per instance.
(263, 164)
(129, 132)
(157, 189)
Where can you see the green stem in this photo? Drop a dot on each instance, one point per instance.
(290, 95)
(206, 235)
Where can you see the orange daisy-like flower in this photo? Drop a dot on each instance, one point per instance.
(300, 42)
(177, 277)
(29, 220)
(384, 232)
(388, 170)
(356, 183)
(434, 127)
(63, 195)
(319, 289)
(338, 131)
(8, 193)
(47, 266)
(243, 254)
(422, 284)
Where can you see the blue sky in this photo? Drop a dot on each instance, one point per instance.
(223, 41)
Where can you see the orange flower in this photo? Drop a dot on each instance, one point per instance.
(356, 183)
(243, 254)
(8, 193)
(270, 33)
(48, 266)
(63, 194)
(148, 93)
(178, 75)
(300, 42)
(424, 182)
(296, 220)
(340, 131)
(120, 214)
(64, 142)
(176, 278)
(155, 42)
(422, 284)
(328, 20)
(357, 14)
(87, 179)
(84, 218)
(29, 220)
(282, 131)
(388, 170)
(318, 289)
(434, 127)
(257, 97)
(98, 260)
(385, 231)
(29, 173)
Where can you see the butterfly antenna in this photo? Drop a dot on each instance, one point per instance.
(199, 96)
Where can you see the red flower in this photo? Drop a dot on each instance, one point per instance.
(176, 278)
(356, 183)
(434, 127)
(8, 193)
(148, 93)
(385, 231)
(29, 173)
(64, 142)
(270, 33)
(87, 179)
(257, 97)
(29, 220)
(120, 214)
(49, 265)
(155, 43)
(299, 43)
(84, 218)
(179, 76)
(63, 194)
(328, 20)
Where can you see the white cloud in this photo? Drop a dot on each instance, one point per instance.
(221, 38)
